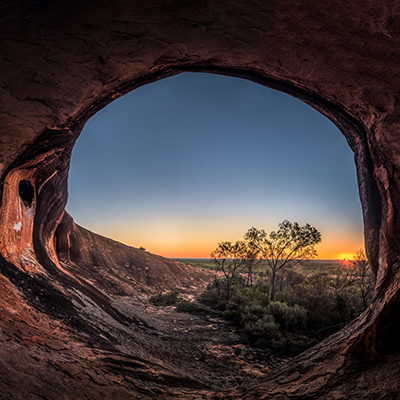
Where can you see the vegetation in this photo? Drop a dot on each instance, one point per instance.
(289, 245)
(278, 300)
(232, 260)
(198, 263)
(169, 299)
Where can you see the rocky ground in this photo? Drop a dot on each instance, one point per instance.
(195, 343)
(205, 344)
(98, 335)
(86, 329)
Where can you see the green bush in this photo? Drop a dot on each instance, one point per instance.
(257, 295)
(169, 299)
(260, 332)
(211, 298)
(289, 318)
(308, 307)
(294, 343)
(275, 327)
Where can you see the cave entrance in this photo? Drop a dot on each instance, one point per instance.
(197, 159)
(199, 156)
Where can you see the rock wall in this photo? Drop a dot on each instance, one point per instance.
(63, 61)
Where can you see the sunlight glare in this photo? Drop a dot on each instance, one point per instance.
(346, 257)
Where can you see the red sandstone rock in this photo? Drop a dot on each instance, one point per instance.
(62, 330)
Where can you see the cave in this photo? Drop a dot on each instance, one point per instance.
(26, 192)
(63, 331)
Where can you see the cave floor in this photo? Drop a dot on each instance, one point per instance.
(196, 342)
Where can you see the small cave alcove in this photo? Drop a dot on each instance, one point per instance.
(26, 192)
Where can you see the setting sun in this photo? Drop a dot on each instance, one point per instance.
(346, 257)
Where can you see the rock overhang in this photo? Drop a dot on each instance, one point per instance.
(61, 63)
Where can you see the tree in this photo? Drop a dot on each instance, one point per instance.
(231, 259)
(280, 249)
(364, 277)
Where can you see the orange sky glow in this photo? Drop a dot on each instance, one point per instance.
(183, 241)
(327, 252)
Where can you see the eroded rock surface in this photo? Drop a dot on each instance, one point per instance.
(97, 334)
(73, 315)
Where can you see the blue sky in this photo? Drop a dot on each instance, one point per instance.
(181, 164)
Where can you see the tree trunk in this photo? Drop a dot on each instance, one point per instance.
(273, 276)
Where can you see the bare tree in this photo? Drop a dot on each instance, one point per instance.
(364, 277)
(355, 273)
(231, 259)
(345, 276)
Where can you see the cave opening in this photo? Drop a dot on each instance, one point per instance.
(26, 192)
(92, 60)
(171, 160)
(201, 161)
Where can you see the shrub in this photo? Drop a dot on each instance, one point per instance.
(296, 343)
(259, 328)
(275, 327)
(307, 308)
(211, 298)
(289, 318)
(169, 299)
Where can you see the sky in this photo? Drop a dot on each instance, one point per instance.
(181, 164)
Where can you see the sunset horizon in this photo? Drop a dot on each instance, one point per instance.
(197, 159)
(180, 246)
